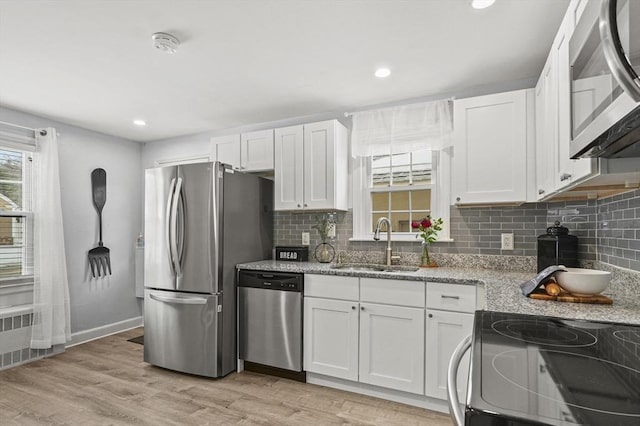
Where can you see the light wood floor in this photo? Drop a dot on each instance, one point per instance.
(105, 382)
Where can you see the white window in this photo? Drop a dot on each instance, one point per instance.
(16, 218)
(401, 167)
(402, 187)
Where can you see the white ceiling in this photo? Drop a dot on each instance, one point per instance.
(91, 63)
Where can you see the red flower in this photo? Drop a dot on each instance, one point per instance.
(415, 225)
(426, 223)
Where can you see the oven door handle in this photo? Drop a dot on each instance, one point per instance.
(614, 53)
(452, 381)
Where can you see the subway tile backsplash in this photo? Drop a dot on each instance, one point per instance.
(608, 230)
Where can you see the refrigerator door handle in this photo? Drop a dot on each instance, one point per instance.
(173, 229)
(172, 188)
(179, 300)
(181, 225)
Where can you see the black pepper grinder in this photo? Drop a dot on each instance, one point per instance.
(557, 247)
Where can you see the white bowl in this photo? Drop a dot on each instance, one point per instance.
(583, 282)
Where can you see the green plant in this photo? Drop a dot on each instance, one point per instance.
(428, 228)
(322, 225)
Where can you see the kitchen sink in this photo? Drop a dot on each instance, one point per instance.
(373, 267)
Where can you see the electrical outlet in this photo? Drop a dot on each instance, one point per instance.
(506, 241)
(305, 238)
(331, 231)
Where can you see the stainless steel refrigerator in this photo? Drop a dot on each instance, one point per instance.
(200, 221)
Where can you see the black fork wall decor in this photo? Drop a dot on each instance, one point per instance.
(99, 256)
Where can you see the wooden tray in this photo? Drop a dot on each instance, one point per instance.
(598, 299)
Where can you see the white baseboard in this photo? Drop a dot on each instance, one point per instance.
(379, 392)
(105, 330)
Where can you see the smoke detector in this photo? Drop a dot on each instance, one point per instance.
(165, 42)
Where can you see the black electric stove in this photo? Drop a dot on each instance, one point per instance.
(531, 370)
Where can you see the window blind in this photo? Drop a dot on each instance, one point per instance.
(16, 218)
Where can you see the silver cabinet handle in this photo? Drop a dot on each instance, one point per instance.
(179, 300)
(444, 296)
(613, 52)
(565, 176)
(452, 382)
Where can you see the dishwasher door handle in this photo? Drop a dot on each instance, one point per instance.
(452, 381)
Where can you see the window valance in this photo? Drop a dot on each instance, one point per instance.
(404, 128)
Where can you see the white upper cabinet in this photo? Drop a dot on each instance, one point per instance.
(289, 168)
(556, 171)
(567, 170)
(256, 150)
(248, 152)
(491, 138)
(311, 167)
(546, 146)
(226, 149)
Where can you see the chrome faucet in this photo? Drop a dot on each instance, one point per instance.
(376, 236)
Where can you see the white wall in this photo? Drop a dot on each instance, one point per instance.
(198, 145)
(96, 302)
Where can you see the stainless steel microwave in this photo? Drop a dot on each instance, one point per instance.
(604, 53)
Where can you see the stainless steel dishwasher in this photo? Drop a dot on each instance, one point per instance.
(270, 318)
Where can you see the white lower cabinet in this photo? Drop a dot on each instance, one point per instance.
(392, 334)
(392, 347)
(444, 331)
(349, 334)
(450, 310)
(331, 337)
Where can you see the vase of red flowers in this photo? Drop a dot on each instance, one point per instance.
(427, 230)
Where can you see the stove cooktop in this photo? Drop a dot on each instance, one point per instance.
(530, 370)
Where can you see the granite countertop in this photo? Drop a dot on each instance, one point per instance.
(502, 289)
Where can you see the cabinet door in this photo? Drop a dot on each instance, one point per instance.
(564, 164)
(392, 347)
(568, 171)
(490, 147)
(444, 331)
(545, 130)
(331, 337)
(288, 171)
(256, 151)
(319, 165)
(226, 149)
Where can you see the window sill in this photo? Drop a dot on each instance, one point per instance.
(400, 238)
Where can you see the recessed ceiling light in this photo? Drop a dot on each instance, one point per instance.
(165, 42)
(139, 122)
(383, 72)
(481, 4)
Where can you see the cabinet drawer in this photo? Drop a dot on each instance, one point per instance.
(331, 287)
(451, 297)
(392, 292)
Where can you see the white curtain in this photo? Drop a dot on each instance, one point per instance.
(51, 324)
(404, 128)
